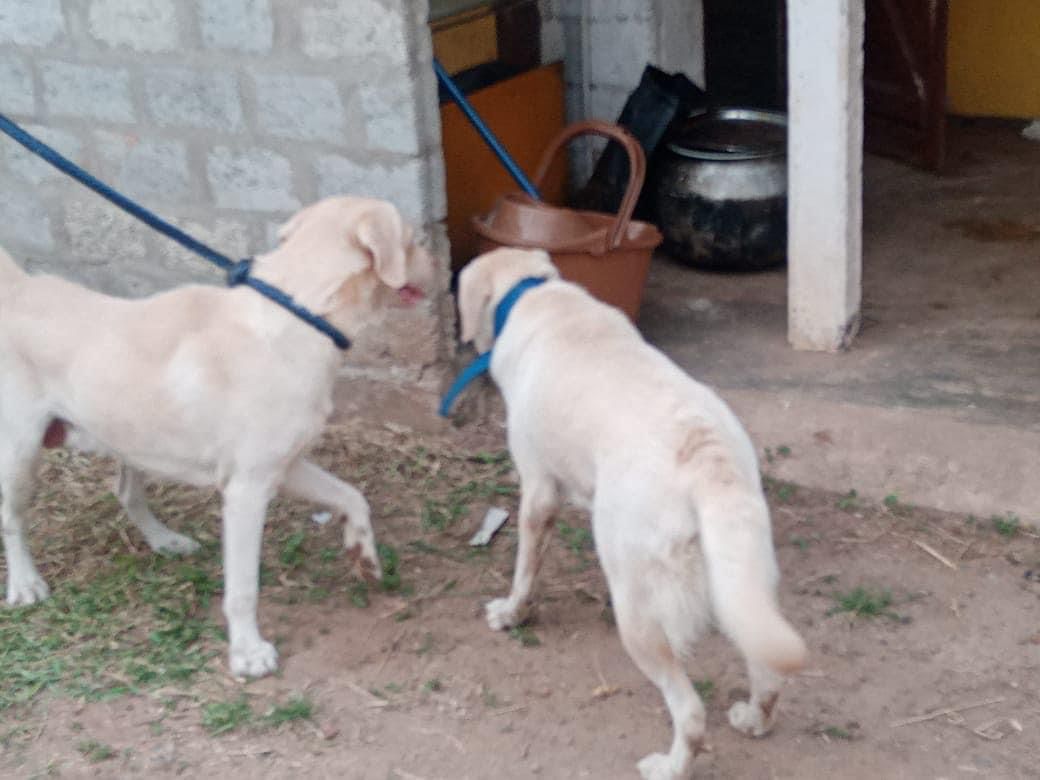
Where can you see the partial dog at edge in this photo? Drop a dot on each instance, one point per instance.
(682, 529)
(204, 385)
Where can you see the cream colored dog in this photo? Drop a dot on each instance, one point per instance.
(204, 385)
(681, 526)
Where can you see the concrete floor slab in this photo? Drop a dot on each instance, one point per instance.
(938, 400)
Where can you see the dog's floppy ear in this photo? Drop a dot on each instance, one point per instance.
(382, 233)
(474, 299)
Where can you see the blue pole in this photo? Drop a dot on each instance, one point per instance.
(485, 131)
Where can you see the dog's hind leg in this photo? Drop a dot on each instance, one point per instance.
(757, 716)
(309, 481)
(18, 454)
(130, 489)
(537, 503)
(647, 643)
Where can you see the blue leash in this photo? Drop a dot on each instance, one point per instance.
(482, 363)
(237, 271)
(485, 132)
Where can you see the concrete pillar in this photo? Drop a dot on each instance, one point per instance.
(825, 154)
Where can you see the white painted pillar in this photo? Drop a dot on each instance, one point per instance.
(825, 160)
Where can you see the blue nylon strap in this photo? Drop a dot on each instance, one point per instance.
(482, 363)
(479, 366)
(237, 272)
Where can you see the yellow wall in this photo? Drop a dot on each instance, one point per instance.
(993, 58)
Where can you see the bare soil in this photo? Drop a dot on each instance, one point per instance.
(414, 685)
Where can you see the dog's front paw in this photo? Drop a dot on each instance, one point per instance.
(253, 660)
(657, 766)
(748, 720)
(26, 590)
(360, 544)
(173, 543)
(503, 613)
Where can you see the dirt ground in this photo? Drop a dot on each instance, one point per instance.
(412, 684)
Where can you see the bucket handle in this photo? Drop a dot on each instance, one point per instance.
(636, 167)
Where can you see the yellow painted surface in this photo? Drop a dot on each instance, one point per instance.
(470, 40)
(993, 58)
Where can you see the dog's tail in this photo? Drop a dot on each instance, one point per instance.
(10, 271)
(742, 571)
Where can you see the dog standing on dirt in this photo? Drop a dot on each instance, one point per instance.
(681, 526)
(203, 385)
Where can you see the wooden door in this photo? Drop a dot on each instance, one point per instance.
(904, 80)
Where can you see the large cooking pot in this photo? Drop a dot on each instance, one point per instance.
(721, 190)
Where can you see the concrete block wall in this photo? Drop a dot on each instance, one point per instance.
(223, 116)
(605, 45)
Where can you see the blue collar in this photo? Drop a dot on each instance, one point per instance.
(483, 362)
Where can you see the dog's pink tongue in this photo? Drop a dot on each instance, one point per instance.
(410, 295)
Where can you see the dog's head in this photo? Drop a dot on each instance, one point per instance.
(346, 257)
(486, 279)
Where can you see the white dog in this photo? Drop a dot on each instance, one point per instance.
(204, 385)
(681, 525)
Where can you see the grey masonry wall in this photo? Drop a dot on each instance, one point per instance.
(224, 116)
(606, 43)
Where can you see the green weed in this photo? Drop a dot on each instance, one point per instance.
(705, 689)
(292, 553)
(863, 602)
(1006, 526)
(578, 540)
(296, 708)
(849, 502)
(94, 751)
(525, 636)
(220, 717)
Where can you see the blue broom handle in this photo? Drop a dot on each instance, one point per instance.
(485, 131)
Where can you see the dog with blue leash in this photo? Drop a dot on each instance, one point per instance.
(599, 417)
(204, 385)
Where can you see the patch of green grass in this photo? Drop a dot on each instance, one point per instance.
(895, 506)
(705, 689)
(292, 553)
(220, 717)
(403, 615)
(836, 732)
(391, 563)
(863, 602)
(357, 593)
(785, 492)
(525, 635)
(849, 502)
(433, 685)
(801, 542)
(502, 456)
(578, 539)
(1006, 526)
(328, 554)
(142, 622)
(439, 514)
(296, 708)
(95, 752)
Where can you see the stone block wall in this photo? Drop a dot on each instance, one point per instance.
(605, 45)
(223, 116)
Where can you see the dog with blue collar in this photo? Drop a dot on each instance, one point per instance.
(599, 417)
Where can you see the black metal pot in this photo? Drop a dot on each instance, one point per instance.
(721, 190)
